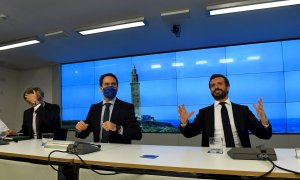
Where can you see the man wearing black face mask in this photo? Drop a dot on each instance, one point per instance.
(225, 119)
(111, 120)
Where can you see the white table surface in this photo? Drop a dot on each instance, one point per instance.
(170, 158)
(190, 159)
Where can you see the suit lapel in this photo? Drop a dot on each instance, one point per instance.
(99, 112)
(115, 111)
(236, 116)
(30, 117)
(210, 121)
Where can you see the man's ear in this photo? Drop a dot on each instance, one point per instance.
(228, 88)
(101, 89)
(38, 95)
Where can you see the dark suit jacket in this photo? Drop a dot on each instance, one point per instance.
(49, 117)
(122, 115)
(244, 120)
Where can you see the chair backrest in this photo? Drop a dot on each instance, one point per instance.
(63, 133)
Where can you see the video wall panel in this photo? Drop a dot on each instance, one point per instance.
(264, 70)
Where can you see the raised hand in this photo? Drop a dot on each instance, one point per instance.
(261, 112)
(183, 114)
(32, 98)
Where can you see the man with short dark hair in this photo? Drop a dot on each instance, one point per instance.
(111, 120)
(42, 117)
(239, 119)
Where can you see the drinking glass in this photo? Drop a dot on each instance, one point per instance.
(215, 145)
(46, 137)
(2, 135)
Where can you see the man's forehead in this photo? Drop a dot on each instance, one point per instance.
(217, 79)
(109, 78)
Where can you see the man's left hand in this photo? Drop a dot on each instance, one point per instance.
(261, 112)
(109, 126)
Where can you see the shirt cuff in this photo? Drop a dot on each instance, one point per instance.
(183, 125)
(266, 126)
(121, 130)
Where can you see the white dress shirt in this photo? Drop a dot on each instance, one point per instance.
(219, 131)
(111, 107)
(33, 121)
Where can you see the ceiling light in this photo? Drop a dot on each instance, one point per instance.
(226, 60)
(18, 44)
(124, 24)
(201, 62)
(248, 6)
(178, 64)
(175, 15)
(253, 58)
(57, 35)
(155, 66)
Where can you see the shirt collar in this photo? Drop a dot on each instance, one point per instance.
(112, 102)
(216, 103)
(36, 107)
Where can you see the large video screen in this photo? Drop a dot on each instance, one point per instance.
(269, 71)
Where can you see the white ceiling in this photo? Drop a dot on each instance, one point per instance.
(29, 18)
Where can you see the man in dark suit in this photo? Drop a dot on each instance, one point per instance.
(119, 125)
(42, 117)
(210, 122)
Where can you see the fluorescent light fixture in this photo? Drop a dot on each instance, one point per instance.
(125, 24)
(18, 44)
(253, 58)
(178, 64)
(248, 6)
(155, 66)
(201, 62)
(175, 15)
(226, 60)
(56, 35)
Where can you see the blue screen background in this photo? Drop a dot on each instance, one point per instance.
(269, 71)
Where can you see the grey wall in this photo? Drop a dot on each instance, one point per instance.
(12, 85)
(8, 95)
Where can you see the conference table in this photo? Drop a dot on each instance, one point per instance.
(176, 161)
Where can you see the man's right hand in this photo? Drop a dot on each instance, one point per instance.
(81, 126)
(184, 115)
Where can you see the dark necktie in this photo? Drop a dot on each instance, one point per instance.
(37, 125)
(226, 126)
(105, 134)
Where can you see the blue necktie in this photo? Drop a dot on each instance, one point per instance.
(226, 126)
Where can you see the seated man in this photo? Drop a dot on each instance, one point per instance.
(225, 119)
(111, 120)
(42, 117)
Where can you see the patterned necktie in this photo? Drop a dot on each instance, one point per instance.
(105, 134)
(226, 126)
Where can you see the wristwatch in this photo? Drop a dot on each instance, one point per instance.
(118, 128)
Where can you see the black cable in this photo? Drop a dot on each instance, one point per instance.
(263, 175)
(89, 167)
(288, 170)
(83, 162)
(273, 166)
(49, 160)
